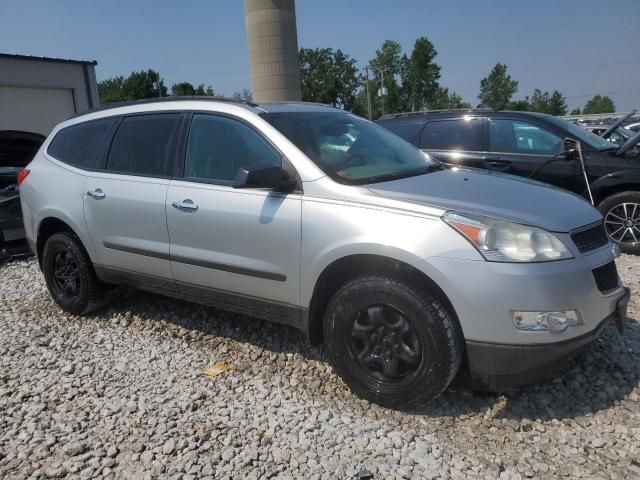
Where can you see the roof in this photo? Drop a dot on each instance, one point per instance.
(267, 107)
(47, 59)
(420, 116)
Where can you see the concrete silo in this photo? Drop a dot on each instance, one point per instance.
(273, 49)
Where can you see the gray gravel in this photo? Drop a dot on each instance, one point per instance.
(122, 395)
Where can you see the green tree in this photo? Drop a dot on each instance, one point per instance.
(497, 89)
(553, 104)
(390, 64)
(182, 89)
(442, 99)
(422, 77)
(203, 91)
(142, 84)
(575, 111)
(328, 76)
(599, 104)
(110, 90)
(245, 94)
(557, 104)
(520, 105)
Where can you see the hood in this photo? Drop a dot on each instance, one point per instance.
(494, 194)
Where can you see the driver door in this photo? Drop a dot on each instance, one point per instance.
(520, 148)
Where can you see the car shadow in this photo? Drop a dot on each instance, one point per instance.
(600, 377)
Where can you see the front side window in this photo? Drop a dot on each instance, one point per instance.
(80, 145)
(461, 134)
(350, 149)
(514, 136)
(145, 145)
(219, 146)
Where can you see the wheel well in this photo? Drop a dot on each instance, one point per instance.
(48, 227)
(348, 268)
(607, 192)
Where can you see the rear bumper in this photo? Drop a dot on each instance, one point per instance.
(496, 367)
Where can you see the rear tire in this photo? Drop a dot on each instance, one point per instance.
(392, 343)
(621, 213)
(69, 274)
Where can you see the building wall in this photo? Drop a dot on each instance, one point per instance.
(273, 49)
(35, 95)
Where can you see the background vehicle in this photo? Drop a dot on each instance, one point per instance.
(16, 151)
(519, 143)
(618, 136)
(634, 127)
(316, 218)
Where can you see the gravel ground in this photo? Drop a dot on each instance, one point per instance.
(122, 395)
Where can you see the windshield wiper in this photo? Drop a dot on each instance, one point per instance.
(409, 173)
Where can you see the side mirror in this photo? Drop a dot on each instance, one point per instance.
(570, 148)
(272, 178)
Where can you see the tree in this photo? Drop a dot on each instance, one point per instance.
(390, 64)
(142, 85)
(557, 104)
(203, 91)
(328, 76)
(422, 77)
(110, 90)
(182, 89)
(599, 104)
(575, 111)
(443, 99)
(497, 89)
(245, 94)
(520, 105)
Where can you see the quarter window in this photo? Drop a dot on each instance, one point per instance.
(511, 136)
(80, 145)
(219, 146)
(145, 145)
(461, 134)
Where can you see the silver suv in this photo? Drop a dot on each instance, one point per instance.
(312, 217)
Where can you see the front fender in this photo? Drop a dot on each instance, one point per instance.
(613, 180)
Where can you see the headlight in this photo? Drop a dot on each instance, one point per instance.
(502, 241)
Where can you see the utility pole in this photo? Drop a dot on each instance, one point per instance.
(366, 72)
(381, 93)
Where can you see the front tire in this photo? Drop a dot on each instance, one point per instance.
(69, 275)
(392, 343)
(622, 220)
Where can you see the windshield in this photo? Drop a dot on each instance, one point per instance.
(350, 149)
(582, 134)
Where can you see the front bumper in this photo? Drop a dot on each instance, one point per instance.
(497, 367)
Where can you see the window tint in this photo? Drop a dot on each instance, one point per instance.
(405, 130)
(461, 134)
(219, 146)
(145, 145)
(80, 145)
(511, 136)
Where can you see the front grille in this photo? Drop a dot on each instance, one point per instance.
(606, 277)
(591, 238)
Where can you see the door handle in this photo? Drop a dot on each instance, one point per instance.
(498, 164)
(97, 194)
(186, 205)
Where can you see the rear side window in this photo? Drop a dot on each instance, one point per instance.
(459, 134)
(405, 130)
(145, 145)
(81, 145)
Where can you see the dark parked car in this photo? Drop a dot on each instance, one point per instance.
(17, 149)
(534, 145)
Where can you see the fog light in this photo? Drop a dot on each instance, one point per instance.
(554, 322)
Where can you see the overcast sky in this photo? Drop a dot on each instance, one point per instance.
(580, 47)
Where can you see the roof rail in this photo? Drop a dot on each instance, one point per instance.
(145, 101)
(426, 112)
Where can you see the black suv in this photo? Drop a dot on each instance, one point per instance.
(535, 145)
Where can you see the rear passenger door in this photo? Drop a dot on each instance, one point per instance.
(458, 141)
(238, 246)
(124, 204)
